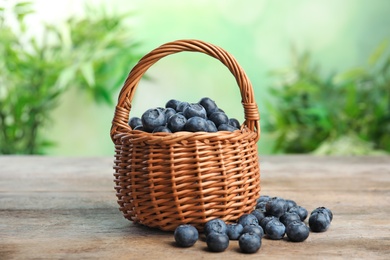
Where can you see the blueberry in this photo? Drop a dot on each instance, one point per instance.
(276, 207)
(301, 211)
(275, 229)
(219, 118)
(186, 235)
(248, 219)
(226, 127)
(323, 209)
(234, 231)
(319, 222)
(135, 121)
(176, 122)
(209, 105)
(234, 122)
(173, 103)
(139, 128)
(263, 198)
(215, 226)
(217, 242)
(195, 109)
(182, 106)
(196, 124)
(259, 214)
(162, 128)
(249, 243)
(153, 118)
(289, 217)
(253, 229)
(211, 128)
(168, 112)
(265, 221)
(290, 204)
(297, 231)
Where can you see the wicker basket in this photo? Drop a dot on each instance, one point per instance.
(167, 179)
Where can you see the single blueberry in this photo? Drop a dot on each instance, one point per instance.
(234, 231)
(275, 229)
(162, 128)
(153, 118)
(249, 243)
(182, 106)
(276, 207)
(319, 222)
(186, 235)
(226, 127)
(259, 214)
(297, 231)
(323, 209)
(211, 128)
(248, 219)
(135, 121)
(139, 128)
(261, 205)
(254, 229)
(215, 226)
(289, 217)
(301, 211)
(219, 118)
(234, 122)
(173, 103)
(217, 242)
(195, 109)
(176, 122)
(290, 204)
(265, 221)
(196, 124)
(263, 198)
(209, 105)
(168, 112)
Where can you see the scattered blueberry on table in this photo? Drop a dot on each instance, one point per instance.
(273, 218)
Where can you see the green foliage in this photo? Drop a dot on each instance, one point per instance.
(90, 53)
(312, 113)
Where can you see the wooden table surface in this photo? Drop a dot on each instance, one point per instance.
(65, 208)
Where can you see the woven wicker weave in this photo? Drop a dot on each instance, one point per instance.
(167, 179)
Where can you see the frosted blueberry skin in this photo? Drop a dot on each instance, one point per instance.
(263, 198)
(301, 211)
(153, 118)
(323, 209)
(234, 231)
(248, 219)
(226, 127)
(275, 229)
(186, 235)
(249, 243)
(182, 106)
(265, 221)
(193, 110)
(290, 204)
(259, 213)
(297, 231)
(211, 128)
(276, 207)
(319, 222)
(217, 242)
(234, 122)
(209, 105)
(289, 217)
(256, 229)
(215, 226)
(172, 103)
(219, 118)
(196, 124)
(168, 112)
(134, 122)
(176, 122)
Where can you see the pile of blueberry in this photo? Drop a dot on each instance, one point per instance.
(204, 116)
(273, 218)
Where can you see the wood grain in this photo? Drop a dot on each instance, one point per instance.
(65, 208)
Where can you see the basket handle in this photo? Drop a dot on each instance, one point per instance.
(122, 110)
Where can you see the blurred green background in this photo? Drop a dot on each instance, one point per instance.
(319, 68)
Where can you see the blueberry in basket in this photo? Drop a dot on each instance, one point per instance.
(204, 116)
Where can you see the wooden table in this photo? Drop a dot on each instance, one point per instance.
(65, 208)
